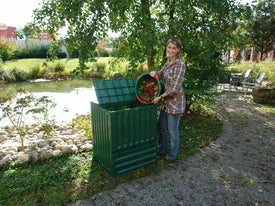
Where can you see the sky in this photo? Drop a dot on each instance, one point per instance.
(19, 12)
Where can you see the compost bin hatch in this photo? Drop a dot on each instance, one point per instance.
(111, 92)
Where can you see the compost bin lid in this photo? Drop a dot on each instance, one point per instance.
(115, 91)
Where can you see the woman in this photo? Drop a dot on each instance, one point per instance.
(174, 99)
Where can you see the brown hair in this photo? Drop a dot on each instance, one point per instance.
(177, 42)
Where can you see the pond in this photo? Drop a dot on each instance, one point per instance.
(72, 97)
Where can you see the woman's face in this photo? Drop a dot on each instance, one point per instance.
(171, 51)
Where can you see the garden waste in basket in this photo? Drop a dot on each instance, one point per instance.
(124, 130)
(148, 88)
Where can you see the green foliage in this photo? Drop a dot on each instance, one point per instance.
(19, 74)
(269, 108)
(83, 122)
(9, 50)
(143, 26)
(41, 68)
(205, 27)
(24, 105)
(101, 50)
(6, 50)
(101, 65)
(14, 74)
(4, 75)
(262, 26)
(59, 67)
(31, 51)
(42, 106)
(35, 72)
(267, 66)
(54, 70)
(87, 23)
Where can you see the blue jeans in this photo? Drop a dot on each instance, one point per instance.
(170, 121)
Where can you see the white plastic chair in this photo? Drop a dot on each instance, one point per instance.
(247, 73)
(253, 82)
(237, 78)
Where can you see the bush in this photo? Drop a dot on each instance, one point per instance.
(2, 72)
(54, 70)
(31, 51)
(6, 75)
(20, 75)
(35, 72)
(61, 55)
(74, 53)
(14, 74)
(101, 65)
(6, 49)
(59, 67)
(267, 66)
(54, 66)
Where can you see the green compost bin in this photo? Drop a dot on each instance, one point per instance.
(124, 130)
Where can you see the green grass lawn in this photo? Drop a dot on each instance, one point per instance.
(70, 64)
(26, 69)
(25, 63)
(68, 178)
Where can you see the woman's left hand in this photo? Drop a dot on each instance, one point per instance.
(156, 100)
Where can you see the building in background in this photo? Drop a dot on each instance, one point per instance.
(7, 32)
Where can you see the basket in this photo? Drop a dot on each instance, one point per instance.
(148, 88)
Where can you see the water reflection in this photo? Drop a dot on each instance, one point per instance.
(72, 97)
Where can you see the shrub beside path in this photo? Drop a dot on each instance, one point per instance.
(237, 169)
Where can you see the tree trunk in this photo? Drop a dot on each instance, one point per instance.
(262, 54)
(228, 58)
(244, 55)
(147, 29)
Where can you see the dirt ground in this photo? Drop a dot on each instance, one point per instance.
(237, 169)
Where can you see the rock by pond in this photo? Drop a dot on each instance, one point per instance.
(65, 139)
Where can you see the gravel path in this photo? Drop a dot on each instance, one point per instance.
(238, 169)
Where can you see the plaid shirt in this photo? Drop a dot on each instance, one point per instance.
(173, 77)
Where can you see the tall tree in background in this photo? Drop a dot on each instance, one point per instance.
(239, 37)
(262, 26)
(145, 26)
(85, 20)
(133, 19)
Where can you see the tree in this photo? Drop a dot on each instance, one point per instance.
(148, 28)
(239, 36)
(24, 105)
(145, 26)
(134, 20)
(262, 26)
(85, 20)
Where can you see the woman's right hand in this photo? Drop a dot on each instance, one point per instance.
(153, 73)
